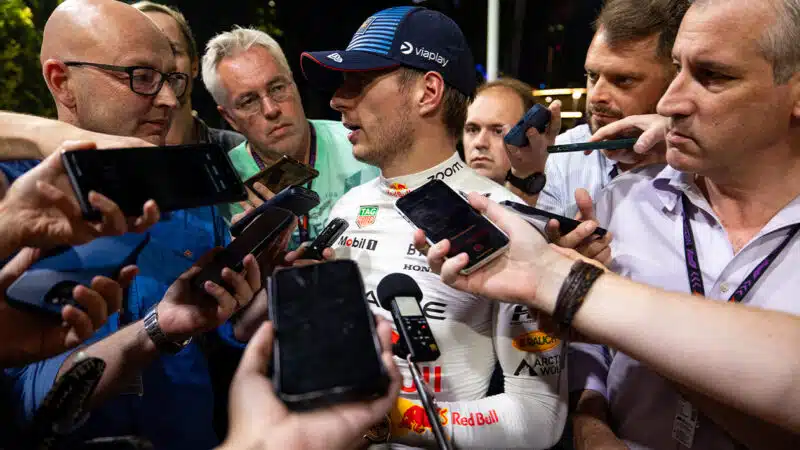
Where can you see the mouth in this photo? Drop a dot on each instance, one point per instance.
(158, 124)
(677, 138)
(480, 159)
(279, 130)
(355, 132)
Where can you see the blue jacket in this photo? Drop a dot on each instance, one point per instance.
(176, 408)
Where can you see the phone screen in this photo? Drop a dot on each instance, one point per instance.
(444, 214)
(284, 173)
(324, 330)
(176, 177)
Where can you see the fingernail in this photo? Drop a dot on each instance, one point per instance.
(211, 285)
(588, 226)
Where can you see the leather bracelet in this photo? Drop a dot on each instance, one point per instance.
(573, 292)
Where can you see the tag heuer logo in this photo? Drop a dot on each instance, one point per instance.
(336, 57)
(406, 48)
(366, 215)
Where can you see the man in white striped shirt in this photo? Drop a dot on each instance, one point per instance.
(628, 69)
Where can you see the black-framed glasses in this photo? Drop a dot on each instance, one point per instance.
(144, 80)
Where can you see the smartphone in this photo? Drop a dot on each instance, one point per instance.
(537, 117)
(284, 173)
(46, 287)
(296, 199)
(614, 144)
(565, 224)
(326, 238)
(442, 213)
(176, 177)
(266, 238)
(326, 349)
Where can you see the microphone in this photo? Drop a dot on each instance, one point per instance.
(400, 294)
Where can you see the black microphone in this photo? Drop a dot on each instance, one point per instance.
(400, 294)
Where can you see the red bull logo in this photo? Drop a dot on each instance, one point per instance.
(398, 190)
(416, 420)
(476, 419)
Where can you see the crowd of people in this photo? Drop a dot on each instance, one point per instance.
(673, 330)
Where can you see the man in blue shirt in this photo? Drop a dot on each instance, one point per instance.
(155, 384)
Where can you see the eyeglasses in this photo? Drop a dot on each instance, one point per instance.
(144, 80)
(251, 103)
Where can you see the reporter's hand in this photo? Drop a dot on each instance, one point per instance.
(41, 209)
(109, 141)
(295, 257)
(515, 276)
(650, 147)
(528, 160)
(29, 337)
(253, 199)
(259, 420)
(581, 238)
(185, 312)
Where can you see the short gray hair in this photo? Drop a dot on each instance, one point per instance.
(231, 43)
(779, 43)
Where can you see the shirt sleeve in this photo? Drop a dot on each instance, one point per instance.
(588, 367)
(532, 411)
(553, 197)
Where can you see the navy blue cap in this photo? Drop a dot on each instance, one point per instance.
(409, 36)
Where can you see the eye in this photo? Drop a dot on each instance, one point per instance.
(470, 129)
(498, 131)
(591, 76)
(277, 89)
(246, 101)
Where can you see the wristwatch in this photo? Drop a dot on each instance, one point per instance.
(162, 343)
(532, 184)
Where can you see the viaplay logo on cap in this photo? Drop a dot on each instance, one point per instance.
(407, 48)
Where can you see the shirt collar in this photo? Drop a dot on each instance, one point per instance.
(400, 186)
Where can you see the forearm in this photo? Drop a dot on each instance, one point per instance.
(752, 432)
(23, 136)
(590, 427)
(641, 321)
(126, 353)
(10, 240)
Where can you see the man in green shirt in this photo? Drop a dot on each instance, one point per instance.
(246, 72)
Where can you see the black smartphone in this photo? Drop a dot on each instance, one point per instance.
(443, 213)
(565, 224)
(537, 117)
(282, 174)
(326, 348)
(326, 238)
(266, 238)
(614, 144)
(296, 199)
(46, 287)
(176, 177)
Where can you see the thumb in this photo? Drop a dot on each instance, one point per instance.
(585, 205)
(258, 353)
(554, 127)
(17, 266)
(649, 139)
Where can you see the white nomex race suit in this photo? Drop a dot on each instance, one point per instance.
(472, 332)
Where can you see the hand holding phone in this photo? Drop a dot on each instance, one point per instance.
(442, 213)
(176, 177)
(282, 174)
(296, 199)
(565, 224)
(326, 239)
(326, 350)
(537, 117)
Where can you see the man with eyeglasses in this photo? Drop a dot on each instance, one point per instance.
(111, 71)
(246, 72)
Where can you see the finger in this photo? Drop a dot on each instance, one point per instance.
(329, 254)
(420, 243)
(500, 215)
(616, 129)
(252, 272)
(554, 127)
(257, 355)
(437, 254)
(450, 269)
(150, 216)
(245, 205)
(17, 266)
(79, 325)
(114, 222)
(111, 291)
(577, 236)
(254, 201)
(384, 329)
(126, 276)
(75, 145)
(585, 205)
(226, 303)
(186, 276)
(649, 139)
(294, 256)
(92, 302)
(242, 293)
(263, 190)
(552, 230)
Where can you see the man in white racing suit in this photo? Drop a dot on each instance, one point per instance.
(406, 105)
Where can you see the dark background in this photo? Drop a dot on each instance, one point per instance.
(542, 42)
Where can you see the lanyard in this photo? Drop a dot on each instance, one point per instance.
(693, 263)
(302, 222)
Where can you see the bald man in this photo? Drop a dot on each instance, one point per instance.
(155, 384)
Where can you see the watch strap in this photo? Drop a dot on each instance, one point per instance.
(156, 334)
(532, 184)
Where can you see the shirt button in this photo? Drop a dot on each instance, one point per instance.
(723, 287)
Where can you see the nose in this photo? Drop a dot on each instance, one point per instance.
(166, 97)
(270, 108)
(600, 92)
(340, 101)
(482, 139)
(677, 101)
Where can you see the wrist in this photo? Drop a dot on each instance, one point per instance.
(164, 341)
(554, 269)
